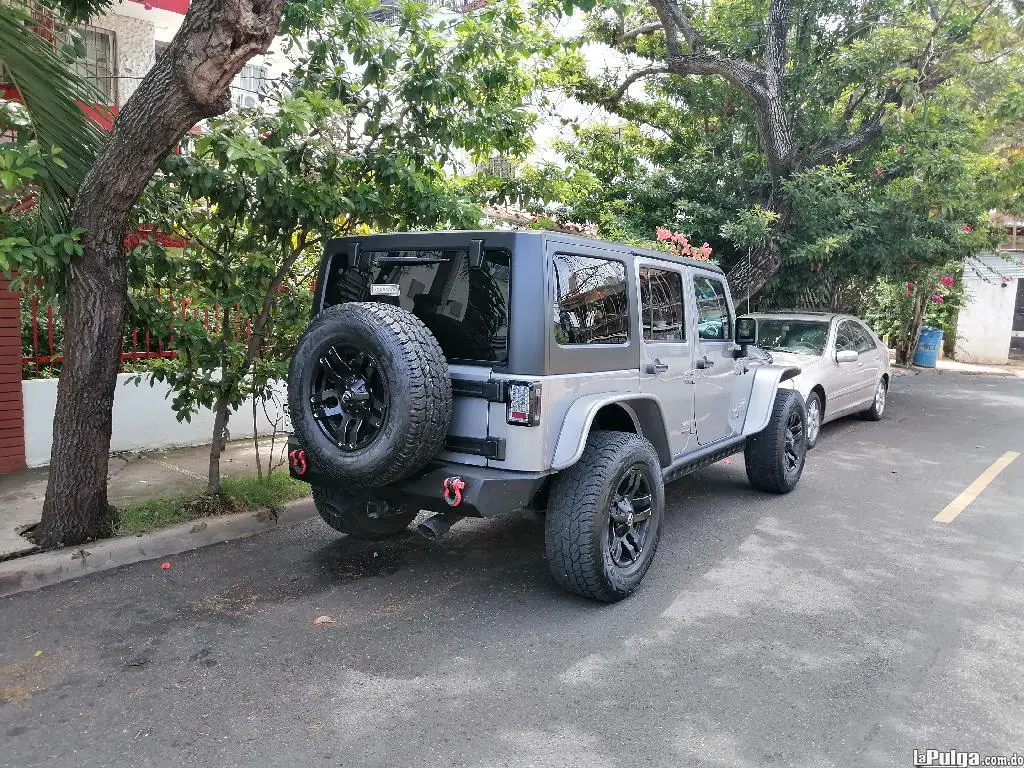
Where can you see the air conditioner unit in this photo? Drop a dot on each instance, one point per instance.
(247, 101)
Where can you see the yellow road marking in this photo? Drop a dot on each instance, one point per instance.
(959, 504)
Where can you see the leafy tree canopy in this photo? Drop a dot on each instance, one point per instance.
(932, 94)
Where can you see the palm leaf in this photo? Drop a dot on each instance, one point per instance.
(53, 95)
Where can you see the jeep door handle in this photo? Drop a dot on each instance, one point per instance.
(704, 363)
(657, 366)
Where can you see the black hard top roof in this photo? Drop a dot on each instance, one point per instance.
(559, 237)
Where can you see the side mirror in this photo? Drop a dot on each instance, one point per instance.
(847, 356)
(746, 331)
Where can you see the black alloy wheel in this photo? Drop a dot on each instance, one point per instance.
(794, 438)
(349, 397)
(629, 519)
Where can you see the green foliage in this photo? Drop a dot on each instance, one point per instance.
(31, 236)
(267, 493)
(238, 494)
(686, 153)
(897, 309)
(51, 118)
(360, 138)
(150, 515)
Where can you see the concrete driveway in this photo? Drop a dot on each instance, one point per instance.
(838, 625)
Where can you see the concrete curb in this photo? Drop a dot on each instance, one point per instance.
(34, 571)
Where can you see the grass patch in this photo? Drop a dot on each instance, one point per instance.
(237, 495)
(270, 492)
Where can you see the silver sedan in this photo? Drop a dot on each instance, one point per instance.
(844, 365)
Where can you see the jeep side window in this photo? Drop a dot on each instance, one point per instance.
(713, 321)
(590, 300)
(661, 305)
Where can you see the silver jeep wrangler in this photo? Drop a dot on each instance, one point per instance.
(476, 373)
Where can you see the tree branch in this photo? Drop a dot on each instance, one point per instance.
(741, 74)
(645, 29)
(638, 75)
(851, 105)
(672, 15)
(847, 145)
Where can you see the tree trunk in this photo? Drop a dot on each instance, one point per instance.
(256, 436)
(221, 414)
(259, 331)
(906, 345)
(75, 507)
(190, 82)
(749, 275)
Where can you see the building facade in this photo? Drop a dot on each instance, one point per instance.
(991, 327)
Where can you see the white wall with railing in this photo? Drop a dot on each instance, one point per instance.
(143, 418)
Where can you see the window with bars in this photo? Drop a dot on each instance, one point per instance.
(98, 65)
(1014, 238)
(249, 86)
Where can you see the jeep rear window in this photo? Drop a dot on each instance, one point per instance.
(590, 300)
(466, 309)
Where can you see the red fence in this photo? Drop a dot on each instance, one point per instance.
(12, 419)
(42, 332)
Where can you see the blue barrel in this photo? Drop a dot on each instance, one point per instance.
(928, 346)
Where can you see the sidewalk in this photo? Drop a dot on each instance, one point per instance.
(133, 477)
(1014, 368)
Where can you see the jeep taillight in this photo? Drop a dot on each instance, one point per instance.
(523, 403)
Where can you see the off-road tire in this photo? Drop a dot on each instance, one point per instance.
(418, 390)
(877, 409)
(348, 512)
(765, 453)
(578, 516)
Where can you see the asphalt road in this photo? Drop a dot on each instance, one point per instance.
(838, 625)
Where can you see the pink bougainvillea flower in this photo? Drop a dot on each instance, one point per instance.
(911, 286)
(663, 234)
(966, 228)
(680, 238)
(879, 172)
(937, 299)
(908, 293)
(947, 281)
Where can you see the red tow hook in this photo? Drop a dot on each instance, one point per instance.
(453, 487)
(298, 462)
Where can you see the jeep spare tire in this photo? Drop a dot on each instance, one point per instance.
(369, 393)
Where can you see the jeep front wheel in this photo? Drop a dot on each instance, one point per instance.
(360, 515)
(604, 517)
(775, 455)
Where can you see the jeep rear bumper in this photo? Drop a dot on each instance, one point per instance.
(487, 492)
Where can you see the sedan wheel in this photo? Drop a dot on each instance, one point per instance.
(814, 414)
(880, 397)
(874, 413)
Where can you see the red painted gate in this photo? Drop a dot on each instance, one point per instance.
(12, 412)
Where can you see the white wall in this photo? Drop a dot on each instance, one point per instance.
(983, 329)
(143, 419)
